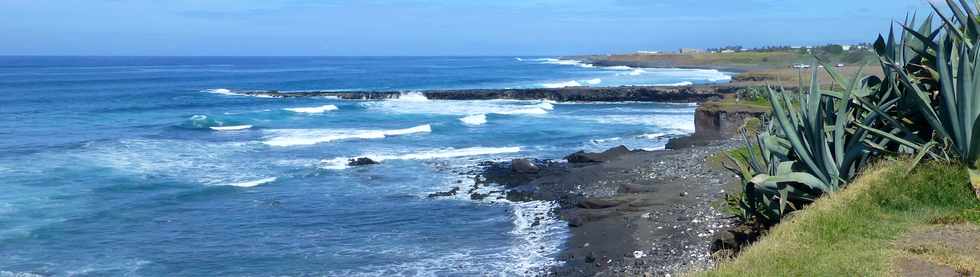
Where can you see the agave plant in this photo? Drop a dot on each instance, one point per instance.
(812, 146)
(947, 96)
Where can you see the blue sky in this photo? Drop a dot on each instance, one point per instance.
(430, 27)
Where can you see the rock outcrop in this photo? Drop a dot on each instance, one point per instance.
(682, 94)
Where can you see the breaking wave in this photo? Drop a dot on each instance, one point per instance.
(231, 128)
(678, 84)
(201, 121)
(224, 91)
(313, 110)
(255, 183)
(474, 120)
(447, 153)
(591, 82)
(565, 62)
(562, 84)
(461, 108)
(413, 96)
(298, 137)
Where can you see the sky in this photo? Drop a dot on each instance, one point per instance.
(431, 27)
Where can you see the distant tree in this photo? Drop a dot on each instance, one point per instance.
(855, 56)
(833, 49)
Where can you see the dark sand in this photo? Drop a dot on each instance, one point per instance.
(638, 213)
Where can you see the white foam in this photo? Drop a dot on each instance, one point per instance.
(313, 110)
(205, 163)
(566, 62)
(618, 67)
(255, 183)
(445, 153)
(538, 235)
(678, 84)
(413, 96)
(590, 82)
(529, 111)
(651, 136)
(547, 105)
(5, 273)
(298, 137)
(459, 108)
(222, 91)
(605, 140)
(637, 72)
(673, 123)
(562, 84)
(231, 128)
(474, 120)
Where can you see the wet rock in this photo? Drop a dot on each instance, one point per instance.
(362, 161)
(585, 157)
(524, 166)
(449, 193)
(734, 239)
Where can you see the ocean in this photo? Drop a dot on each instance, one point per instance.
(155, 166)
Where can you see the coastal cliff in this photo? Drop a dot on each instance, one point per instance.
(718, 120)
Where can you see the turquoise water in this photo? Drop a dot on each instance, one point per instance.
(152, 166)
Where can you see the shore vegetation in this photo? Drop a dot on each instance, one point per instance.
(922, 108)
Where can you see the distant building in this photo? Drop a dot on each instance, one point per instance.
(728, 51)
(845, 47)
(691, 51)
(648, 52)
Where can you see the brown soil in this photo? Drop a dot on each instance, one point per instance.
(940, 250)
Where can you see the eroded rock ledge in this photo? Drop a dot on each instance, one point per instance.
(684, 94)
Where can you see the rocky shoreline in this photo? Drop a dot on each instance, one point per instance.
(634, 213)
(630, 213)
(680, 94)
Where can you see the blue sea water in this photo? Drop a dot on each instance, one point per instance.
(153, 166)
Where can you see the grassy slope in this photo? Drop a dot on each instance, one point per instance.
(853, 233)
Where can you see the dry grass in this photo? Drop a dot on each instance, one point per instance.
(790, 77)
(854, 232)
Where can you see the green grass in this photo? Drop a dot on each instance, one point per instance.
(852, 233)
(730, 105)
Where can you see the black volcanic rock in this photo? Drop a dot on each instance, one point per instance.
(524, 166)
(361, 162)
(683, 94)
(585, 157)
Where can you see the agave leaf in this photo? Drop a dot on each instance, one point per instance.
(974, 155)
(924, 104)
(803, 178)
(890, 136)
(950, 27)
(966, 20)
(743, 170)
(785, 168)
(922, 154)
(777, 145)
(789, 129)
(948, 92)
(783, 196)
(927, 41)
